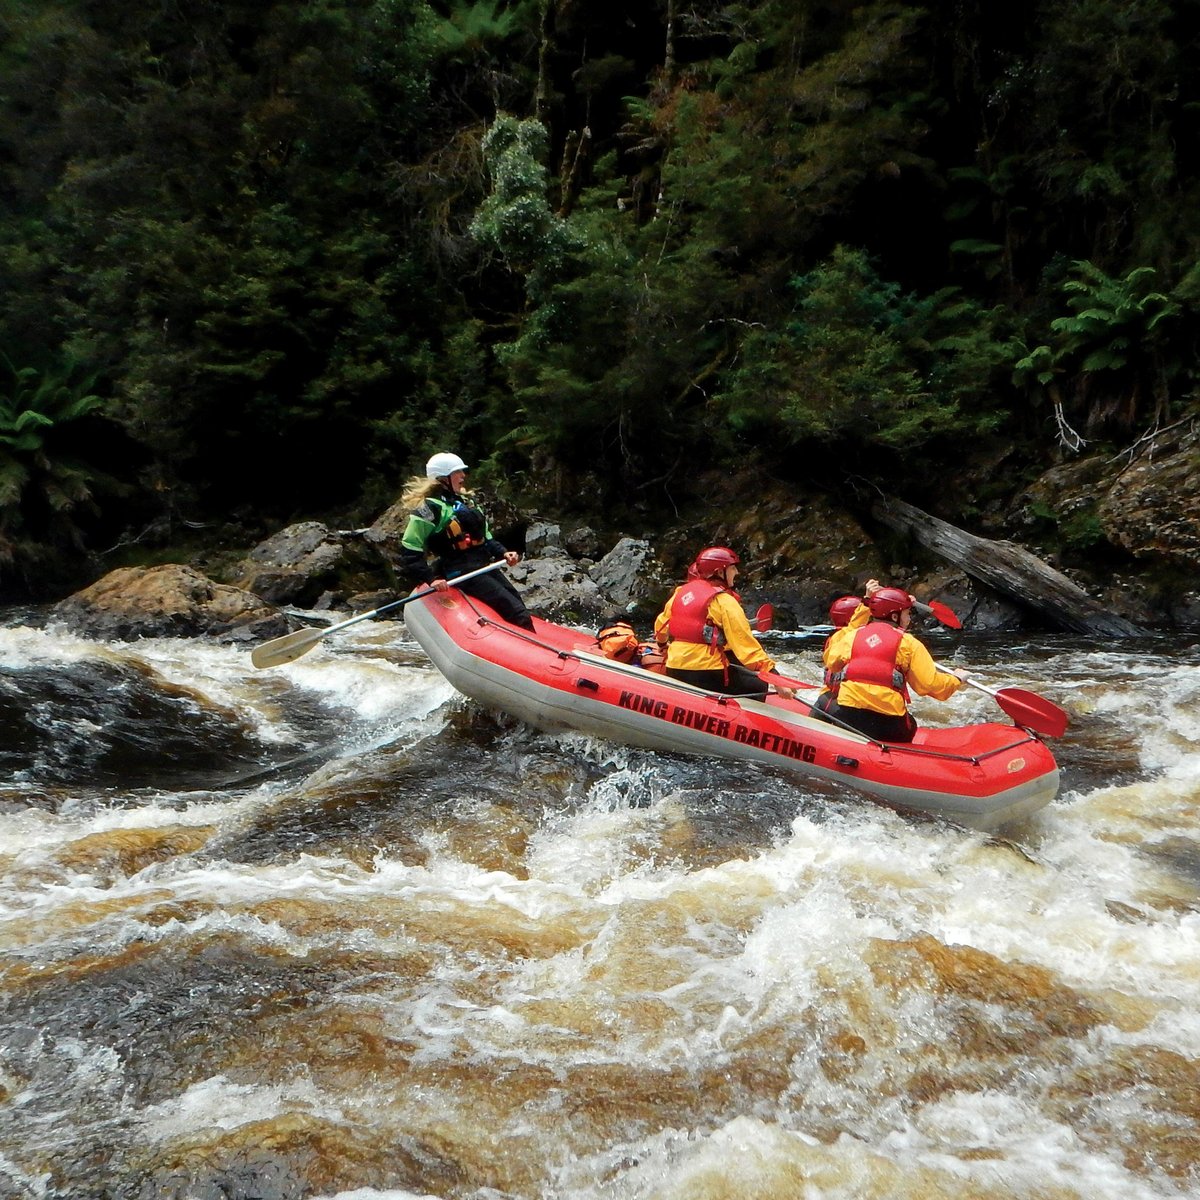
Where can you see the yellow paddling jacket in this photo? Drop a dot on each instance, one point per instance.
(725, 613)
(914, 664)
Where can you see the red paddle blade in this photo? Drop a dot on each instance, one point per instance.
(764, 618)
(1031, 711)
(945, 614)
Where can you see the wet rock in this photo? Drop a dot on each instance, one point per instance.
(583, 542)
(389, 524)
(986, 613)
(110, 718)
(171, 600)
(542, 536)
(802, 602)
(295, 565)
(630, 575)
(1152, 508)
(557, 588)
(1184, 610)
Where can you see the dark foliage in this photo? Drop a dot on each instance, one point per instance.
(293, 248)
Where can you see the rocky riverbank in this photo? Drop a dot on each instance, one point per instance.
(1112, 539)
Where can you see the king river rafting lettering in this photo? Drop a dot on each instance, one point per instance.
(677, 714)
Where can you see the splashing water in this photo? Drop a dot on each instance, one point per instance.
(330, 931)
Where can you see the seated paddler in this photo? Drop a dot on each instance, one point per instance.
(873, 669)
(707, 634)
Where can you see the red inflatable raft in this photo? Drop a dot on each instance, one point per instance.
(981, 776)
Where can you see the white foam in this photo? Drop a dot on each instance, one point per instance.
(219, 1104)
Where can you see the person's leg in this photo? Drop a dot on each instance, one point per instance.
(822, 705)
(744, 682)
(498, 593)
(880, 726)
(710, 681)
(738, 682)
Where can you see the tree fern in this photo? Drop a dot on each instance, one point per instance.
(1110, 350)
(42, 481)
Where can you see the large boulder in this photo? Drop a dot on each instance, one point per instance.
(542, 536)
(296, 565)
(583, 542)
(556, 588)
(1152, 507)
(631, 576)
(171, 600)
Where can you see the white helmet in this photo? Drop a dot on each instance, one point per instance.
(442, 465)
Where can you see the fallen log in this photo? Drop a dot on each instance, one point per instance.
(1008, 569)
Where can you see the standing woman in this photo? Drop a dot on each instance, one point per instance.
(444, 528)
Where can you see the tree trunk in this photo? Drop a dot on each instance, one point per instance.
(1008, 569)
(541, 96)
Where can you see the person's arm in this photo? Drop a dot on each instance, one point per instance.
(412, 549)
(739, 638)
(837, 646)
(922, 674)
(858, 618)
(862, 614)
(497, 550)
(662, 621)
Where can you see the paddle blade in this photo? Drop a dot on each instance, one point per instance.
(764, 618)
(1031, 711)
(286, 649)
(945, 614)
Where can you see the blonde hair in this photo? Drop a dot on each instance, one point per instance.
(418, 489)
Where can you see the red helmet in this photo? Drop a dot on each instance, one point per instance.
(842, 609)
(712, 561)
(889, 600)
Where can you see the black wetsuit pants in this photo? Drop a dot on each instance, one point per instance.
(740, 681)
(495, 589)
(880, 726)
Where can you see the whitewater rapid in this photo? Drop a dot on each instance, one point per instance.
(328, 930)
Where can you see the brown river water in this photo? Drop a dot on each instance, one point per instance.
(330, 930)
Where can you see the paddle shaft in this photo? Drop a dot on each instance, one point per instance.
(983, 687)
(993, 692)
(1027, 709)
(783, 681)
(292, 645)
(405, 599)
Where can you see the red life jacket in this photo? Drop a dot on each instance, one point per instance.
(689, 614)
(873, 657)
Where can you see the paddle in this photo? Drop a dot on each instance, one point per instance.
(940, 612)
(1027, 709)
(764, 618)
(783, 681)
(291, 646)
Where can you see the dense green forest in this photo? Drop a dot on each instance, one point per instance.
(259, 257)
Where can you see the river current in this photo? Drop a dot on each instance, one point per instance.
(330, 930)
